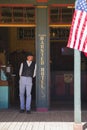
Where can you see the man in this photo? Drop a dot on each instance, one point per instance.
(27, 72)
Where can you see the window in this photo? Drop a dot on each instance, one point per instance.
(26, 33)
(61, 33)
(17, 15)
(61, 15)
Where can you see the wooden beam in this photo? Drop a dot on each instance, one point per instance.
(17, 25)
(16, 5)
(60, 25)
(63, 5)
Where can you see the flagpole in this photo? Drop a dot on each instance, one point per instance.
(77, 90)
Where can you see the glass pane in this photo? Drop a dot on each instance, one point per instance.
(30, 15)
(26, 33)
(67, 15)
(61, 15)
(54, 15)
(18, 12)
(17, 15)
(6, 13)
(59, 33)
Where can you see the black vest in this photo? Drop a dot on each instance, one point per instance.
(28, 71)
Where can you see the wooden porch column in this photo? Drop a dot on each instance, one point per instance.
(42, 58)
(77, 91)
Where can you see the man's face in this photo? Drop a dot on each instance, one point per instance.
(29, 58)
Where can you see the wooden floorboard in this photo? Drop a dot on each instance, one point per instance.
(52, 120)
(30, 126)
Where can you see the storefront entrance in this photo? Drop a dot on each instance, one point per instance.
(54, 87)
(61, 69)
(15, 42)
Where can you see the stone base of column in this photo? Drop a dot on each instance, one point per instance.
(77, 126)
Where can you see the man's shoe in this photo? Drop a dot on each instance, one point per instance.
(28, 112)
(22, 111)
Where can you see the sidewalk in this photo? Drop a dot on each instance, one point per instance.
(51, 120)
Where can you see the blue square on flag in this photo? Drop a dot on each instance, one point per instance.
(81, 5)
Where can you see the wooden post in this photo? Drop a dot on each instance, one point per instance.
(42, 58)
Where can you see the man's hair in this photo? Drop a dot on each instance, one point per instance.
(29, 54)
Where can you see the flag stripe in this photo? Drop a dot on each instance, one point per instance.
(83, 32)
(72, 35)
(78, 31)
(83, 38)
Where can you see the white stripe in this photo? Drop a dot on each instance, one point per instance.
(83, 38)
(80, 30)
(74, 28)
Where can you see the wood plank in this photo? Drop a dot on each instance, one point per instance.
(1, 125)
(6, 125)
(20, 119)
(23, 126)
(47, 126)
(12, 126)
(4, 120)
(30, 126)
(52, 120)
(18, 126)
(41, 126)
(53, 125)
(14, 119)
(70, 126)
(35, 126)
(58, 127)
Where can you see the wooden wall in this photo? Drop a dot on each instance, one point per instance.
(16, 44)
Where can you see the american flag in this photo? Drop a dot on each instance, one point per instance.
(78, 31)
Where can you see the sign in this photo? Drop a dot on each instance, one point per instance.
(42, 64)
(68, 78)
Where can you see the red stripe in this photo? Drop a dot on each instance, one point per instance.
(82, 32)
(85, 44)
(76, 32)
(71, 30)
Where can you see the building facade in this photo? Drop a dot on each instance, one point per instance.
(51, 20)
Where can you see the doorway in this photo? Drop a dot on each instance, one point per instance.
(61, 70)
(15, 42)
(83, 81)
